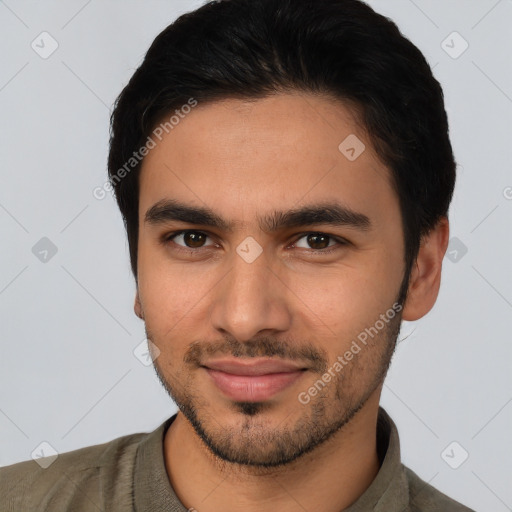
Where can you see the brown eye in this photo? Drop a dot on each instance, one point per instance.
(318, 240)
(188, 239)
(319, 243)
(194, 238)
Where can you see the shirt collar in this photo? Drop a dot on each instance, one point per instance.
(389, 491)
(152, 488)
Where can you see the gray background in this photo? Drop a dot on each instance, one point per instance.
(68, 373)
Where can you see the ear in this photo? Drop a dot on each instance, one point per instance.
(425, 276)
(137, 307)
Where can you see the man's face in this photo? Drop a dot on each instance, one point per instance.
(259, 287)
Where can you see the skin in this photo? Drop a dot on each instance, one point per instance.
(244, 160)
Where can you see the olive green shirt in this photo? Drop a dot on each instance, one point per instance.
(128, 474)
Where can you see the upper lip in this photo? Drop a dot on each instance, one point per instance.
(253, 367)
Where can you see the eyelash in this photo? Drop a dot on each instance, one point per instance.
(170, 236)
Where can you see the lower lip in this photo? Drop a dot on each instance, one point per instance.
(254, 388)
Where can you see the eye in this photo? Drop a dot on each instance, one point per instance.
(188, 239)
(319, 242)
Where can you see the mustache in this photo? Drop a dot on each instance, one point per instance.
(199, 352)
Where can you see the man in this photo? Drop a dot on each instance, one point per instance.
(284, 171)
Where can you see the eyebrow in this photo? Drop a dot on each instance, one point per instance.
(331, 213)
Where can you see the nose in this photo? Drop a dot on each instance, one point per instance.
(250, 300)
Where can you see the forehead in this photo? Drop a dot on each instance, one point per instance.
(240, 156)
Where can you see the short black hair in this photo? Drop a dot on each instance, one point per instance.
(250, 49)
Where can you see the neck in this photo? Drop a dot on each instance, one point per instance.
(330, 478)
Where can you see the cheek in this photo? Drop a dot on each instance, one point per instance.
(336, 307)
(171, 296)
(342, 296)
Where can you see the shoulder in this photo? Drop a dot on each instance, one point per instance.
(71, 480)
(425, 498)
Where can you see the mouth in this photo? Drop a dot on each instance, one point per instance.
(254, 380)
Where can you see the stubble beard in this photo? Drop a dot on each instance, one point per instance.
(258, 442)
